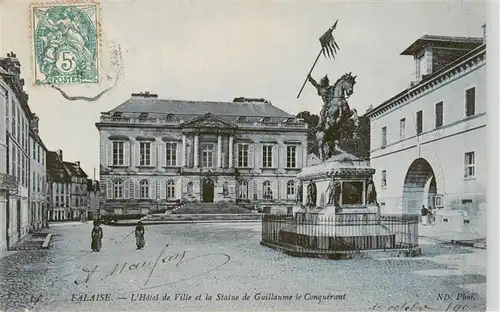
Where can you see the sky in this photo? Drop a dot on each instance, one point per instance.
(216, 51)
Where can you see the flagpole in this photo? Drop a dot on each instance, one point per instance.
(316, 61)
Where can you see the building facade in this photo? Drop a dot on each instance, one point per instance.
(38, 178)
(428, 143)
(156, 153)
(78, 190)
(59, 187)
(17, 160)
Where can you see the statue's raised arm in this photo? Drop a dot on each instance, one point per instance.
(313, 82)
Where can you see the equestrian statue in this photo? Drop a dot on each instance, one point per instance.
(336, 116)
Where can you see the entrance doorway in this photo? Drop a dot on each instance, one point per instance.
(208, 191)
(420, 187)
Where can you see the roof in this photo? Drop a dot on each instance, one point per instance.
(452, 64)
(56, 169)
(75, 169)
(186, 110)
(467, 43)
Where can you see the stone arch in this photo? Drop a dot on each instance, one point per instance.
(437, 167)
(420, 186)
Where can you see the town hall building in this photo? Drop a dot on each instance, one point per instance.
(155, 154)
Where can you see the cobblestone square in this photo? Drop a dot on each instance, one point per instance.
(222, 267)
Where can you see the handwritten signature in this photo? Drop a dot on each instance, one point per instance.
(177, 259)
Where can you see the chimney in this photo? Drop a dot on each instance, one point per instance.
(60, 154)
(484, 31)
(34, 123)
(77, 163)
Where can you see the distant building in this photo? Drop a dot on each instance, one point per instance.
(157, 153)
(38, 174)
(59, 187)
(428, 142)
(68, 188)
(93, 210)
(78, 193)
(16, 114)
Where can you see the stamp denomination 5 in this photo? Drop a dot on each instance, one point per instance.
(66, 41)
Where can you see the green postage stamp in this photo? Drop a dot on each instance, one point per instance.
(66, 42)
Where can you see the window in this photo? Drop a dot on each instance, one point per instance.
(38, 153)
(19, 177)
(267, 191)
(43, 157)
(402, 129)
(14, 118)
(290, 188)
(469, 164)
(291, 156)
(170, 189)
(470, 102)
(19, 117)
(439, 114)
(419, 122)
(383, 183)
(144, 189)
(38, 186)
(207, 160)
(384, 137)
(420, 67)
(171, 154)
(14, 161)
(145, 151)
(34, 150)
(118, 149)
(243, 190)
(190, 188)
(267, 156)
(34, 179)
(118, 189)
(243, 155)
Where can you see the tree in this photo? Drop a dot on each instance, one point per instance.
(312, 121)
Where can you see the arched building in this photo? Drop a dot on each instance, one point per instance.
(428, 143)
(156, 153)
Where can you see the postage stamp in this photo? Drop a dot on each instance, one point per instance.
(66, 41)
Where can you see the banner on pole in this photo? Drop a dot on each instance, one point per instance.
(328, 44)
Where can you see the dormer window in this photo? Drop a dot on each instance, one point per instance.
(117, 114)
(420, 66)
(170, 117)
(265, 120)
(143, 116)
(242, 119)
(289, 120)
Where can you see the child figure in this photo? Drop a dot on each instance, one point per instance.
(96, 237)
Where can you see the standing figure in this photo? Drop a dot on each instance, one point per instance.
(371, 193)
(299, 199)
(332, 189)
(96, 237)
(139, 235)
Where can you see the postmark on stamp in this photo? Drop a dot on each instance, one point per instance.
(66, 41)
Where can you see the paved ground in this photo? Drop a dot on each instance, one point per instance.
(226, 259)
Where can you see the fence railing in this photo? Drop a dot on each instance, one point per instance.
(344, 233)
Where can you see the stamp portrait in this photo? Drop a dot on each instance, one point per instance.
(65, 41)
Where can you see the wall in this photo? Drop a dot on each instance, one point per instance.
(444, 148)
